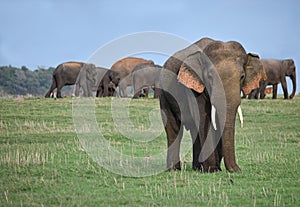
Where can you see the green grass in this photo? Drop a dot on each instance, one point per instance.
(43, 164)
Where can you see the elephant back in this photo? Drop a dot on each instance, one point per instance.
(175, 61)
(126, 65)
(73, 66)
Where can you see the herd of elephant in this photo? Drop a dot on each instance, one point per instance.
(140, 73)
(195, 86)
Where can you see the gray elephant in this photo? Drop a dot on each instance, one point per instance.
(92, 79)
(64, 74)
(146, 76)
(125, 67)
(276, 71)
(192, 97)
(108, 84)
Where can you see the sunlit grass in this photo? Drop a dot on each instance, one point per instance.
(43, 164)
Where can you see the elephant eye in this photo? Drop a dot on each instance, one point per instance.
(242, 77)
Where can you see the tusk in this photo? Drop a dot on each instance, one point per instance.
(241, 116)
(213, 117)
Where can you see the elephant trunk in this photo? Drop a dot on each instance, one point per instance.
(228, 144)
(293, 78)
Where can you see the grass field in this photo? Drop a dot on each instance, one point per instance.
(42, 162)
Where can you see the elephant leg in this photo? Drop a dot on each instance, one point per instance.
(210, 160)
(53, 86)
(105, 91)
(99, 92)
(136, 91)
(174, 133)
(284, 88)
(146, 92)
(156, 92)
(250, 96)
(262, 88)
(59, 87)
(58, 92)
(137, 94)
(77, 89)
(90, 91)
(256, 93)
(111, 92)
(85, 90)
(253, 94)
(197, 165)
(274, 91)
(212, 163)
(123, 92)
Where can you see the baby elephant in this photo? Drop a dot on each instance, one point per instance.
(145, 76)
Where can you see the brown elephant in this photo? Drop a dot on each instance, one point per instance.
(64, 74)
(196, 100)
(125, 67)
(276, 71)
(257, 63)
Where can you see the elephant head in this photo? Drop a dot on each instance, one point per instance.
(114, 77)
(85, 79)
(254, 73)
(109, 81)
(236, 69)
(289, 66)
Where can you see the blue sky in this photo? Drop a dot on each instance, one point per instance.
(43, 33)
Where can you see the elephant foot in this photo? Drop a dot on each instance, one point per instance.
(211, 169)
(197, 166)
(174, 167)
(233, 168)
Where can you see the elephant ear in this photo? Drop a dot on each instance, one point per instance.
(189, 78)
(288, 63)
(254, 73)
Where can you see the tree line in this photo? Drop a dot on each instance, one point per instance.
(24, 82)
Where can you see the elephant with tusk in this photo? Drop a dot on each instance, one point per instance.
(200, 91)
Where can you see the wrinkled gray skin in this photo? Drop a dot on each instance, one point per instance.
(173, 104)
(231, 62)
(108, 84)
(89, 80)
(64, 74)
(276, 71)
(145, 76)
